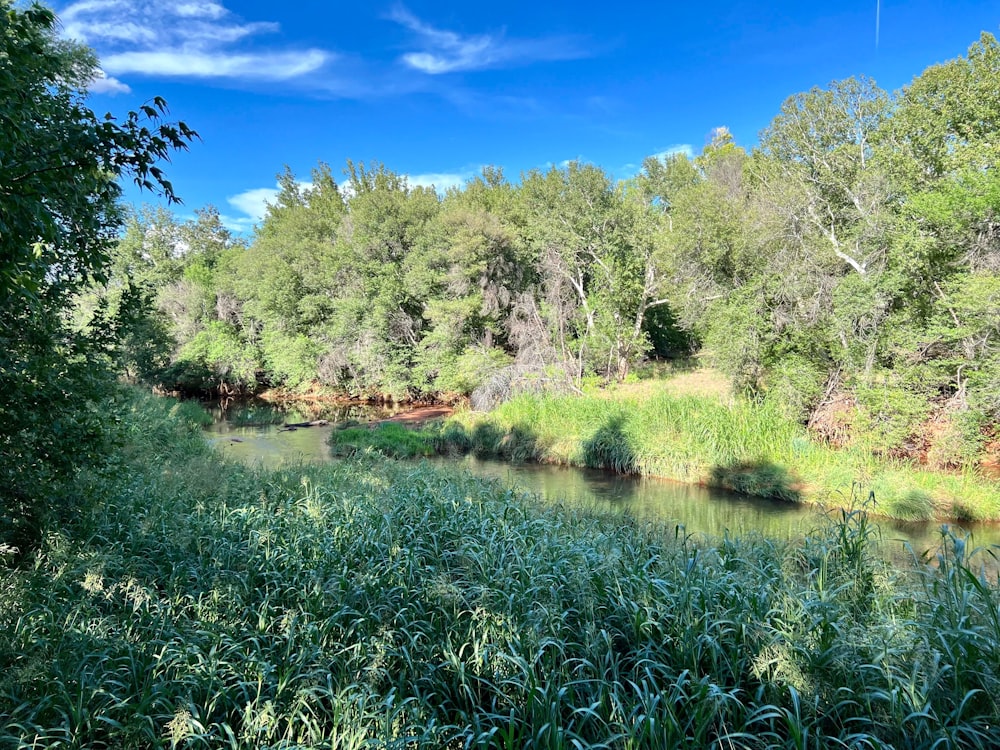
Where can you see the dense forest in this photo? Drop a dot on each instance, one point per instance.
(846, 267)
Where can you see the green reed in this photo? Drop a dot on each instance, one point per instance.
(741, 445)
(380, 604)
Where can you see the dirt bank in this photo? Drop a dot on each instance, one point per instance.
(419, 416)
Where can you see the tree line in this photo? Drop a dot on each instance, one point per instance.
(845, 267)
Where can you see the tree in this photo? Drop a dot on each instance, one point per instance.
(290, 276)
(824, 141)
(596, 259)
(59, 215)
(947, 119)
(466, 268)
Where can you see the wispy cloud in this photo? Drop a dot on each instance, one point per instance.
(253, 205)
(442, 182)
(265, 67)
(193, 38)
(441, 51)
(200, 10)
(238, 224)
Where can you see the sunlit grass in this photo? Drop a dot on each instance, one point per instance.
(383, 604)
(736, 444)
(388, 438)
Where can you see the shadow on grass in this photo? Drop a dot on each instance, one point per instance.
(757, 478)
(516, 445)
(609, 449)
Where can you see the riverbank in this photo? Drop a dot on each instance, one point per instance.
(314, 393)
(195, 602)
(700, 438)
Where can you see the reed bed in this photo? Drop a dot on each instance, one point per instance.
(735, 444)
(372, 603)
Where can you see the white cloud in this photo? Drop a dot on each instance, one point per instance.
(679, 148)
(442, 182)
(94, 30)
(208, 33)
(238, 224)
(82, 7)
(275, 67)
(105, 84)
(254, 202)
(253, 205)
(448, 51)
(200, 10)
(192, 38)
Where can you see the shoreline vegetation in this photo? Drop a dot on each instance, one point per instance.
(696, 436)
(194, 602)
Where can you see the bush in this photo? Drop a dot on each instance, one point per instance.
(289, 360)
(797, 385)
(219, 356)
(388, 438)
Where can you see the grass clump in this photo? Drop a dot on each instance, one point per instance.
(191, 413)
(382, 604)
(915, 505)
(760, 479)
(388, 438)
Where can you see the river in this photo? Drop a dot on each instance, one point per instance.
(251, 432)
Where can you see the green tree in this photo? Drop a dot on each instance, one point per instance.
(596, 259)
(823, 142)
(466, 269)
(59, 216)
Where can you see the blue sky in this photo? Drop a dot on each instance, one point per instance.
(438, 90)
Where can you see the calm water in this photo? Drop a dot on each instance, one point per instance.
(252, 433)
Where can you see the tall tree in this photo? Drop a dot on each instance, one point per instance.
(823, 140)
(59, 216)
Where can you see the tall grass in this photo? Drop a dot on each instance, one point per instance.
(388, 437)
(739, 445)
(382, 604)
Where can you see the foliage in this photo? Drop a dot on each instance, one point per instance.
(853, 255)
(198, 603)
(381, 288)
(390, 439)
(750, 447)
(59, 217)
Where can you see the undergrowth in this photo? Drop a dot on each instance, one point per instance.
(380, 604)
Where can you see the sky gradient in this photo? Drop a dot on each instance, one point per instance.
(438, 90)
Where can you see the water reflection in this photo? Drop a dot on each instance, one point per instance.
(701, 510)
(253, 432)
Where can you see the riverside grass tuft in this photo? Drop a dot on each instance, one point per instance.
(737, 444)
(372, 603)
